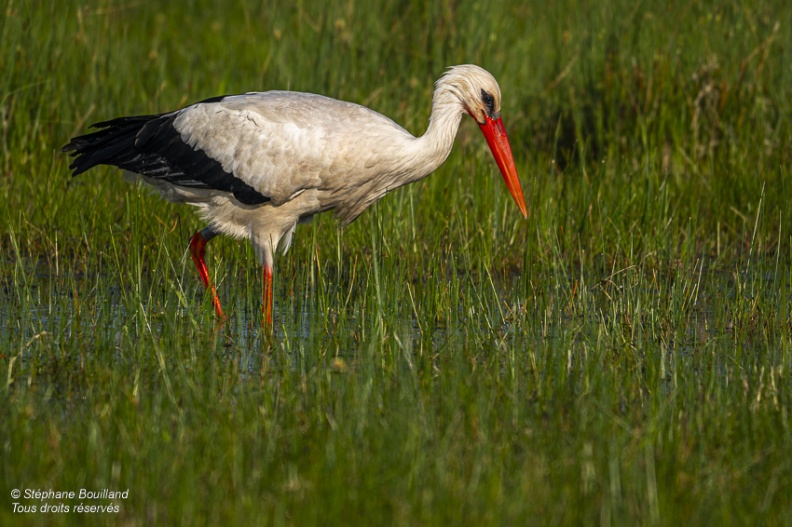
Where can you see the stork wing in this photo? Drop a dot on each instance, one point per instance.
(277, 143)
(260, 147)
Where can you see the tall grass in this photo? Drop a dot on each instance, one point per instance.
(622, 357)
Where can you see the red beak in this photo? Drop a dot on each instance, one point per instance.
(498, 142)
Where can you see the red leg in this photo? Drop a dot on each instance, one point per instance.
(266, 306)
(198, 250)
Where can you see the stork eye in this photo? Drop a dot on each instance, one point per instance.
(489, 101)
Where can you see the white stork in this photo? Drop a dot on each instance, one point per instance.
(256, 165)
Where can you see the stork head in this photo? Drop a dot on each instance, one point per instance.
(480, 96)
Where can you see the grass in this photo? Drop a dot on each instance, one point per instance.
(623, 357)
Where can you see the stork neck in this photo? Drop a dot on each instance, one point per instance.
(438, 140)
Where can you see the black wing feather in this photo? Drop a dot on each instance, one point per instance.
(150, 145)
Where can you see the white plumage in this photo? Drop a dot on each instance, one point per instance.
(255, 165)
